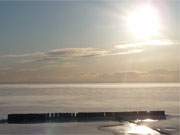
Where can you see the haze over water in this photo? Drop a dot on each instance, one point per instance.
(89, 97)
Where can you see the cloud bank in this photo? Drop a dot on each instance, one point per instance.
(135, 62)
(89, 77)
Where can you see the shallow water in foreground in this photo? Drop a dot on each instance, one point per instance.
(171, 126)
(87, 97)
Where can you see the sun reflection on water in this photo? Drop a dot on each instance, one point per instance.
(140, 130)
(136, 128)
(145, 120)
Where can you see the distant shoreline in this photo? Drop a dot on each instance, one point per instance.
(130, 82)
(92, 84)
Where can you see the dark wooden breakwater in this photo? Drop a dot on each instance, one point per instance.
(84, 116)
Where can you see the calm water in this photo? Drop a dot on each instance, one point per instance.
(86, 97)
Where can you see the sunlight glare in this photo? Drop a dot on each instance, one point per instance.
(144, 22)
(145, 120)
(141, 130)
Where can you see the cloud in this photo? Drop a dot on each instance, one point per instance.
(69, 53)
(155, 43)
(127, 51)
(76, 52)
(30, 76)
(160, 75)
(22, 55)
(62, 53)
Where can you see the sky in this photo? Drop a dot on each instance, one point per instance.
(89, 41)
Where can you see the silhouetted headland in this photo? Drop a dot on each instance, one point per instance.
(84, 116)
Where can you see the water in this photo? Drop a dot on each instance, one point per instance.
(86, 97)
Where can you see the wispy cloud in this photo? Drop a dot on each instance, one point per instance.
(125, 51)
(70, 53)
(76, 52)
(62, 52)
(36, 54)
(156, 43)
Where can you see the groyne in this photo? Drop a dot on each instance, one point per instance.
(84, 116)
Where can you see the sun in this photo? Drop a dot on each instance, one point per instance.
(143, 22)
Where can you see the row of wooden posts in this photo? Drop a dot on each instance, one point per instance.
(84, 116)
